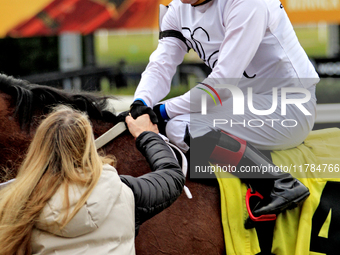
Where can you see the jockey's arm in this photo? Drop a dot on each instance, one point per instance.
(245, 26)
(156, 79)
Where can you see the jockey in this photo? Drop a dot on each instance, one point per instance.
(260, 73)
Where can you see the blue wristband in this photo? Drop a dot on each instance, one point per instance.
(141, 100)
(163, 112)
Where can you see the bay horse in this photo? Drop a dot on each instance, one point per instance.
(187, 227)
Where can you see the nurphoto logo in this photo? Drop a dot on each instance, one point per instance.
(204, 97)
(238, 100)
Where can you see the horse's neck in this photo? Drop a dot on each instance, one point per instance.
(14, 143)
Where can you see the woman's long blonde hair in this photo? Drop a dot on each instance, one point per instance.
(62, 152)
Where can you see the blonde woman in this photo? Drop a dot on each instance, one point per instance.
(68, 200)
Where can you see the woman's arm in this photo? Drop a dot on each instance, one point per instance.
(157, 190)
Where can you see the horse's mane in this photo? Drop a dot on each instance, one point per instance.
(29, 98)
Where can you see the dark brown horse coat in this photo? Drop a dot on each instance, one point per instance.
(187, 227)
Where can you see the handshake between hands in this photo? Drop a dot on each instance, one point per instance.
(157, 115)
(140, 124)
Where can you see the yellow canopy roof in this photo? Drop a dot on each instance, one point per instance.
(13, 12)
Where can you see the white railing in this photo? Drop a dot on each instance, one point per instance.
(327, 113)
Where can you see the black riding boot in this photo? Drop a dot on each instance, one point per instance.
(281, 191)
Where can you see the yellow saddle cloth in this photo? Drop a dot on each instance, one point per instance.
(314, 227)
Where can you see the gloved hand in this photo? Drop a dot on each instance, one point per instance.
(121, 117)
(138, 108)
(162, 117)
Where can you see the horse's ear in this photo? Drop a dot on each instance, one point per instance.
(79, 103)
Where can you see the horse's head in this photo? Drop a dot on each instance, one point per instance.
(24, 105)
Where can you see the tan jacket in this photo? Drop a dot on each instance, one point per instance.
(104, 225)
